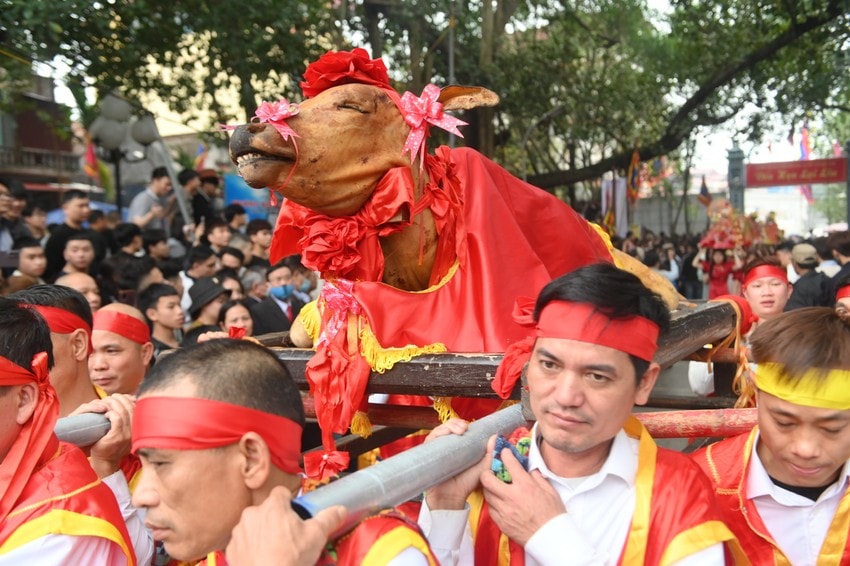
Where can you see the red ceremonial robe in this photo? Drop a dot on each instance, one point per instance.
(375, 541)
(675, 514)
(499, 238)
(725, 463)
(64, 497)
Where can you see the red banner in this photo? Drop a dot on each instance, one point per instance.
(812, 172)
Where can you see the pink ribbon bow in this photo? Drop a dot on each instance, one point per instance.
(418, 113)
(276, 113)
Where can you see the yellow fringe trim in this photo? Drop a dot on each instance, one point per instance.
(443, 406)
(381, 359)
(311, 320)
(361, 425)
(369, 458)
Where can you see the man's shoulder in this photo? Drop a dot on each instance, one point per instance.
(722, 458)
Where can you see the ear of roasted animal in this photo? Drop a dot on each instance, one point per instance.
(458, 97)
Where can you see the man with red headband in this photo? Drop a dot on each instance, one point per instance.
(597, 490)
(122, 349)
(766, 288)
(69, 318)
(218, 427)
(842, 296)
(53, 508)
(784, 487)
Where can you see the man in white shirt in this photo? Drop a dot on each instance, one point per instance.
(148, 209)
(783, 487)
(598, 490)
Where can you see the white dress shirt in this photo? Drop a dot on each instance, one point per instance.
(797, 524)
(134, 518)
(592, 533)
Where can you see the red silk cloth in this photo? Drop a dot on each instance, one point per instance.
(123, 325)
(843, 293)
(185, 423)
(61, 321)
(36, 442)
(765, 271)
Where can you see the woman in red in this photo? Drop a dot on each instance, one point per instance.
(717, 270)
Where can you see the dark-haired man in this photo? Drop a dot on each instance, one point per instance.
(813, 288)
(53, 509)
(75, 205)
(603, 493)
(233, 429)
(276, 312)
(148, 209)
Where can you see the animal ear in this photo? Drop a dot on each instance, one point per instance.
(457, 97)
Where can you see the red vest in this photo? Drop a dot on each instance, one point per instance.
(374, 542)
(726, 463)
(674, 501)
(65, 497)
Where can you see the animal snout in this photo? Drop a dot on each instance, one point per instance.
(240, 139)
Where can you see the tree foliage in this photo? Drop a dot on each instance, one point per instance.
(582, 82)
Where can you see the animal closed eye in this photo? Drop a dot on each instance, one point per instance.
(352, 106)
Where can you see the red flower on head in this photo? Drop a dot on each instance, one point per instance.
(336, 68)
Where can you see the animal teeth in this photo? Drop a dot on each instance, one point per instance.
(242, 159)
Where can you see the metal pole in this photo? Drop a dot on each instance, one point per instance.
(451, 50)
(408, 474)
(178, 188)
(117, 156)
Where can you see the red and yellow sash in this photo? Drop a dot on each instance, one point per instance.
(726, 463)
(674, 517)
(65, 497)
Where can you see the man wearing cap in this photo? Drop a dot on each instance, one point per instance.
(784, 487)
(53, 508)
(598, 490)
(69, 319)
(207, 294)
(218, 427)
(122, 349)
(813, 288)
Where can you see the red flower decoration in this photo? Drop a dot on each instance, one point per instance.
(336, 68)
(330, 244)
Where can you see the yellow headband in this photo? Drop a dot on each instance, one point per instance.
(812, 389)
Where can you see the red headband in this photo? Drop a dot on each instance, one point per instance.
(185, 423)
(35, 442)
(61, 321)
(843, 293)
(765, 271)
(633, 335)
(122, 324)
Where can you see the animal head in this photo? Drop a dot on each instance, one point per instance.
(329, 152)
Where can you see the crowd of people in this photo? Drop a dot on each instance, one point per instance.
(203, 452)
(216, 266)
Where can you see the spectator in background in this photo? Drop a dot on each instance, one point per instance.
(13, 217)
(35, 219)
(255, 285)
(148, 209)
(78, 254)
(230, 281)
(160, 304)
(208, 295)
(6, 239)
(277, 311)
(155, 244)
(716, 269)
(216, 234)
(171, 269)
(84, 284)
(98, 232)
(236, 313)
(259, 233)
(236, 217)
(31, 260)
(827, 264)
(75, 205)
(203, 201)
(691, 283)
(201, 261)
(190, 182)
(812, 289)
(233, 259)
(669, 270)
(128, 238)
(839, 242)
(783, 254)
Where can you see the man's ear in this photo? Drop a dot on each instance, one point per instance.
(257, 463)
(27, 401)
(647, 382)
(79, 342)
(147, 353)
(151, 314)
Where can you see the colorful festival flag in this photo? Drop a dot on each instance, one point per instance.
(805, 153)
(200, 157)
(90, 165)
(704, 197)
